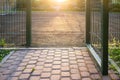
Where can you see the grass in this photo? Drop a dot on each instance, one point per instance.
(115, 55)
(3, 53)
(114, 52)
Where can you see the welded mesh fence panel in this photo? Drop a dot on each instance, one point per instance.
(95, 29)
(114, 20)
(114, 31)
(12, 23)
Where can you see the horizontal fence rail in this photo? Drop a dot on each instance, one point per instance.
(12, 23)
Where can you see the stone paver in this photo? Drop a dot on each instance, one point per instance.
(35, 78)
(50, 64)
(24, 76)
(75, 76)
(55, 77)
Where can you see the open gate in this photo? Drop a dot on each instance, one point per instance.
(102, 26)
(97, 32)
(103, 31)
(15, 23)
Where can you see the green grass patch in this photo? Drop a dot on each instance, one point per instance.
(114, 52)
(115, 55)
(3, 53)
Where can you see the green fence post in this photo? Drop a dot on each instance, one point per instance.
(28, 23)
(104, 34)
(88, 15)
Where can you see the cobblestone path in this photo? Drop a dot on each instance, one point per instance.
(50, 64)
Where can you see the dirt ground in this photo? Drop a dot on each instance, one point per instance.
(59, 29)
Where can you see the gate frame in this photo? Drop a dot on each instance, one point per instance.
(28, 23)
(103, 61)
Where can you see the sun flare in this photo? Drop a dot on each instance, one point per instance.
(60, 1)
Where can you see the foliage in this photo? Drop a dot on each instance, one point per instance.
(3, 53)
(115, 7)
(2, 43)
(115, 55)
(114, 52)
(112, 68)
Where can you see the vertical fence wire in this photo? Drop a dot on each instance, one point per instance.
(95, 31)
(12, 23)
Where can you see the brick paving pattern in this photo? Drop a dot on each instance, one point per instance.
(50, 64)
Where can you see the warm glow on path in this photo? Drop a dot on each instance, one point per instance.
(60, 1)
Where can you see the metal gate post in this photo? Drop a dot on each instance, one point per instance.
(104, 34)
(28, 23)
(88, 15)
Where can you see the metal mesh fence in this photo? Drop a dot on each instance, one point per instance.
(95, 29)
(114, 20)
(12, 24)
(114, 33)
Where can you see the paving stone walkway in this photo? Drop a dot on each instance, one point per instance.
(50, 64)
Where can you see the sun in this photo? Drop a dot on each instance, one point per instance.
(60, 1)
